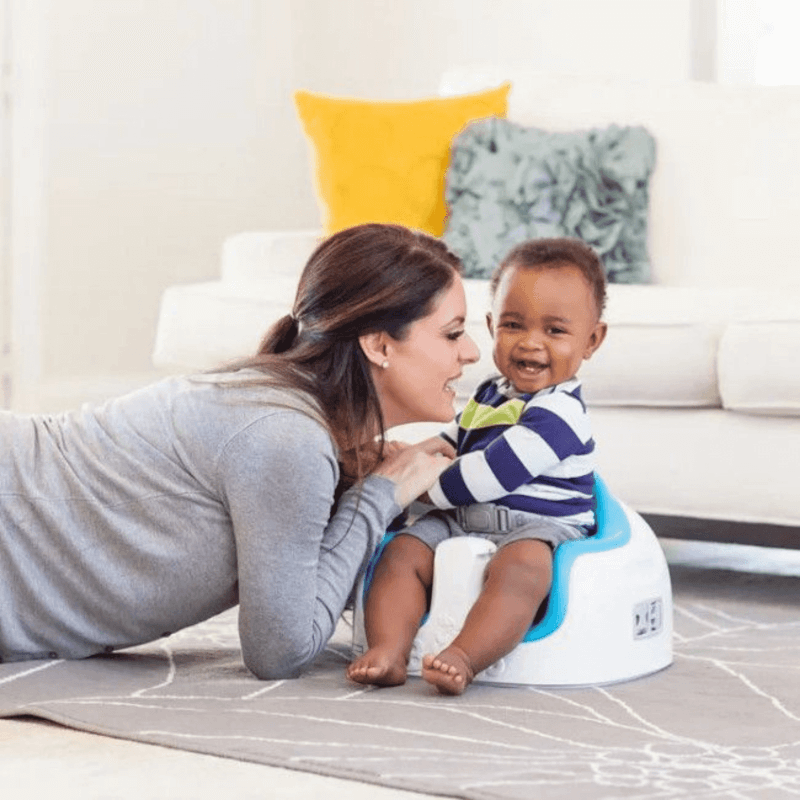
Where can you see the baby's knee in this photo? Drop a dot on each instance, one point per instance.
(528, 562)
(407, 554)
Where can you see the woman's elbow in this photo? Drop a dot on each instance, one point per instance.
(273, 664)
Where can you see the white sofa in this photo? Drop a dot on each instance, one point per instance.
(695, 394)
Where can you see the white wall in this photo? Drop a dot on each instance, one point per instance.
(148, 130)
(160, 127)
(399, 48)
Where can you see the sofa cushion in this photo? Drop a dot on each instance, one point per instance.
(507, 183)
(758, 367)
(654, 364)
(660, 349)
(386, 161)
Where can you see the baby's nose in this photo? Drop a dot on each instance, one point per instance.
(534, 340)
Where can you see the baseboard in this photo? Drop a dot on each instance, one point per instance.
(725, 531)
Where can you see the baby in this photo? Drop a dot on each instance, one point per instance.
(523, 476)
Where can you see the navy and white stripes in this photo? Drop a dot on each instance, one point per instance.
(527, 452)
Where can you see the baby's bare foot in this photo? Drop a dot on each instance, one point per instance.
(450, 672)
(378, 667)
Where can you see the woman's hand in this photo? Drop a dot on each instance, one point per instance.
(437, 445)
(392, 448)
(415, 468)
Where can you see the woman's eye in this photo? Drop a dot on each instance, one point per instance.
(455, 335)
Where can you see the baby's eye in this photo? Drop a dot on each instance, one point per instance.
(556, 331)
(510, 324)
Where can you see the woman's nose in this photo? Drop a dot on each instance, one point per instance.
(469, 350)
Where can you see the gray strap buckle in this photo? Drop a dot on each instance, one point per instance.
(483, 518)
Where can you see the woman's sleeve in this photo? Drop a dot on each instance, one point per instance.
(297, 562)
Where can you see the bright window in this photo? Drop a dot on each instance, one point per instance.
(758, 42)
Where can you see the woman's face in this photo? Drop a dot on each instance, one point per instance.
(416, 386)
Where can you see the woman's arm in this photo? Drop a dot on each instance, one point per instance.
(298, 561)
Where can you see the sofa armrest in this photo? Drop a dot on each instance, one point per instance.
(203, 326)
(259, 256)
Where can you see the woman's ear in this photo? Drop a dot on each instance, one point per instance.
(374, 347)
(595, 339)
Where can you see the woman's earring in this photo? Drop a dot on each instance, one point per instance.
(385, 365)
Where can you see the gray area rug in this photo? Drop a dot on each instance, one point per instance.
(722, 722)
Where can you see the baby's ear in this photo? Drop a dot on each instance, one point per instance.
(595, 339)
(490, 323)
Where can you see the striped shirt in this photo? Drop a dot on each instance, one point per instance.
(529, 452)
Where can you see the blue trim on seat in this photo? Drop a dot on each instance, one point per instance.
(373, 562)
(613, 530)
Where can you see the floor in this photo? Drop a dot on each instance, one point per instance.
(38, 757)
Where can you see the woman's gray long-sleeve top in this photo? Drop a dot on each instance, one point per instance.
(125, 522)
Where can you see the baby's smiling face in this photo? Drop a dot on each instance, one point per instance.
(544, 323)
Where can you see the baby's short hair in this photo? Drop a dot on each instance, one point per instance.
(556, 252)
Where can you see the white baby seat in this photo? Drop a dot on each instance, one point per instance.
(609, 615)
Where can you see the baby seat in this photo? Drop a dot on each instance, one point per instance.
(608, 618)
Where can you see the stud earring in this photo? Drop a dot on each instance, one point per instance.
(385, 365)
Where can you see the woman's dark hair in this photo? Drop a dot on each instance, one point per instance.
(557, 252)
(364, 279)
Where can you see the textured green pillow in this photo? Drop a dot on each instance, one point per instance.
(507, 183)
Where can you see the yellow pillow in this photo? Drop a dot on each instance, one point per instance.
(384, 161)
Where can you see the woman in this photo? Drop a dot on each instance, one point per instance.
(263, 485)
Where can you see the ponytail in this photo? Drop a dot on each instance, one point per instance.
(280, 337)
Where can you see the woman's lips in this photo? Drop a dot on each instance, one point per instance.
(448, 387)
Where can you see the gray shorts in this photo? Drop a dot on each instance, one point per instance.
(435, 526)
